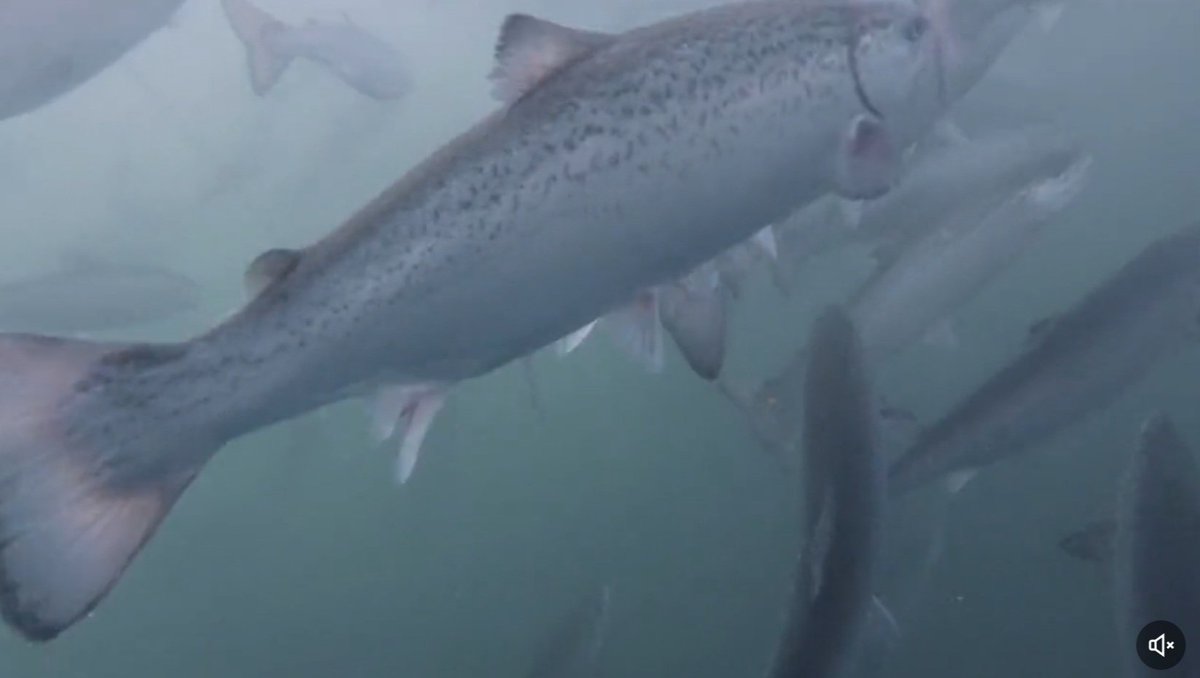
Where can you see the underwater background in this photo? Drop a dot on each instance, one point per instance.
(296, 554)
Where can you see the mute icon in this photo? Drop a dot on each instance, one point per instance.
(1161, 645)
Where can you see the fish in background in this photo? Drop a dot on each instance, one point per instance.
(1157, 548)
(832, 596)
(572, 650)
(50, 47)
(1074, 365)
(1092, 542)
(88, 294)
(920, 282)
(961, 217)
(495, 246)
(353, 54)
(943, 177)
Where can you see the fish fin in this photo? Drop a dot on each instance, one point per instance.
(1047, 14)
(637, 330)
(885, 620)
(867, 164)
(387, 409)
(694, 316)
(530, 50)
(765, 240)
(942, 335)
(572, 341)
(267, 268)
(1093, 542)
(958, 479)
(419, 417)
(414, 405)
(71, 517)
(1040, 328)
(252, 25)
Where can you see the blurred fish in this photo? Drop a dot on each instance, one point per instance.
(357, 57)
(975, 174)
(50, 47)
(921, 281)
(495, 246)
(1093, 542)
(773, 410)
(86, 294)
(1158, 542)
(1075, 365)
(573, 649)
(828, 610)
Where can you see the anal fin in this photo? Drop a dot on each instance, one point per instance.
(414, 406)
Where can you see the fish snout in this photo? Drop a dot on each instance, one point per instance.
(896, 54)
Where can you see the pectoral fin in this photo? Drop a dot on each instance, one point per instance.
(695, 317)
(414, 406)
(867, 164)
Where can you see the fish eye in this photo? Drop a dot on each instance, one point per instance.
(915, 29)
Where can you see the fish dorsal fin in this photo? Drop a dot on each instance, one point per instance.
(530, 50)
(1039, 328)
(268, 267)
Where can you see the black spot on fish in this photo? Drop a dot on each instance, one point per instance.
(144, 356)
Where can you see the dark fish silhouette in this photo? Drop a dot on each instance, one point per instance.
(832, 590)
(50, 47)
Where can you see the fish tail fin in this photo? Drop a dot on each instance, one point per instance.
(253, 26)
(74, 511)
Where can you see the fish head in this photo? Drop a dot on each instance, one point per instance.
(896, 60)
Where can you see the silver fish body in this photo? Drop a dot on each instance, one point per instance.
(923, 280)
(646, 155)
(50, 47)
(1076, 364)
